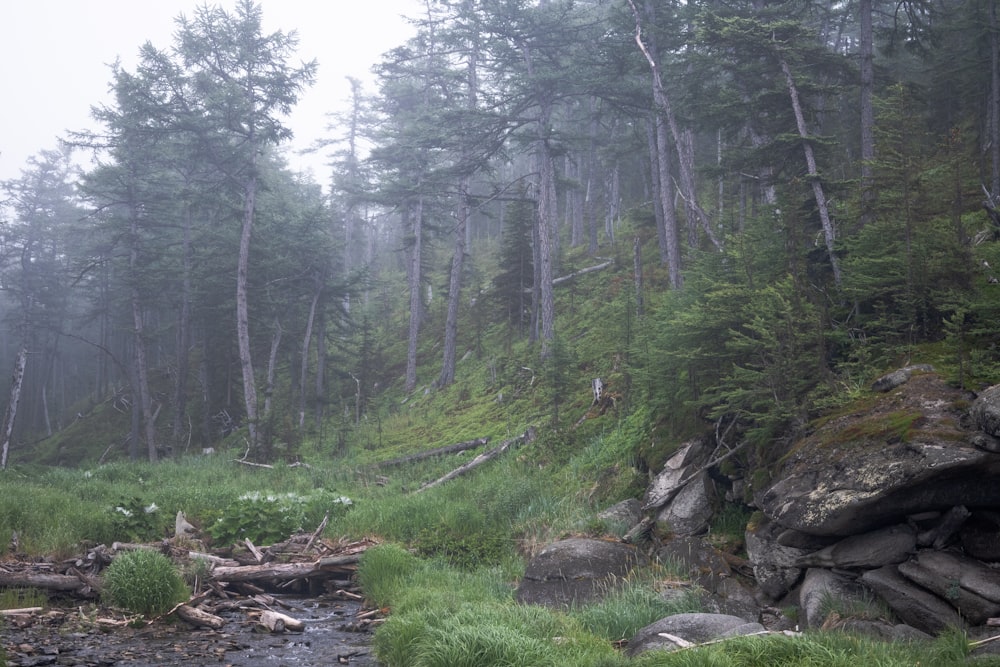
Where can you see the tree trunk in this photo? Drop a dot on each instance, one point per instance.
(640, 309)
(15, 396)
(183, 334)
(304, 361)
(546, 222)
(994, 110)
(242, 307)
(455, 288)
(666, 190)
(138, 335)
(867, 113)
(416, 305)
(657, 202)
(829, 234)
(272, 369)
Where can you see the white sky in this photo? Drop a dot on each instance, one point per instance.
(55, 57)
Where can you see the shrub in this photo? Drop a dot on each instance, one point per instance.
(144, 582)
(383, 572)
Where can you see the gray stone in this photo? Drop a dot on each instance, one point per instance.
(626, 513)
(980, 536)
(678, 468)
(697, 559)
(885, 546)
(943, 579)
(576, 570)
(819, 586)
(773, 564)
(890, 381)
(985, 411)
(883, 630)
(914, 605)
(906, 454)
(696, 628)
(691, 509)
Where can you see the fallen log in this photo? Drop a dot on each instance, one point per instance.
(199, 617)
(47, 581)
(286, 571)
(18, 612)
(431, 453)
(278, 622)
(527, 436)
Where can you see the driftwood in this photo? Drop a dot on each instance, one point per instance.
(49, 581)
(527, 436)
(278, 572)
(198, 617)
(430, 453)
(278, 622)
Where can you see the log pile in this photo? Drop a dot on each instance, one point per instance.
(237, 579)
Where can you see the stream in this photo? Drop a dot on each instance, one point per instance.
(72, 637)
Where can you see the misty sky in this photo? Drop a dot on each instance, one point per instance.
(54, 57)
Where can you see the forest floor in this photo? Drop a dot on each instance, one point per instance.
(74, 636)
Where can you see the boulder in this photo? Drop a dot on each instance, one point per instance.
(985, 411)
(980, 536)
(695, 628)
(914, 605)
(819, 588)
(890, 381)
(676, 471)
(774, 565)
(626, 513)
(905, 454)
(943, 577)
(697, 560)
(691, 509)
(884, 546)
(576, 570)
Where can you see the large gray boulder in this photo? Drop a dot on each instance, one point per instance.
(985, 411)
(691, 509)
(774, 564)
(695, 628)
(913, 604)
(905, 454)
(819, 588)
(577, 570)
(678, 469)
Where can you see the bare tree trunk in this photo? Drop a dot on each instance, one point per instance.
(654, 179)
(320, 382)
(304, 362)
(183, 335)
(15, 396)
(666, 190)
(272, 369)
(546, 219)
(416, 305)
(640, 308)
(242, 307)
(682, 143)
(994, 111)
(455, 288)
(867, 113)
(138, 336)
(829, 234)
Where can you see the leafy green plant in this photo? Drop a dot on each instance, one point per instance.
(135, 520)
(144, 582)
(269, 518)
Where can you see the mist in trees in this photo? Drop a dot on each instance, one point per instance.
(818, 182)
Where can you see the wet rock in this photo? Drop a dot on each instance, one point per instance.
(695, 628)
(885, 546)
(914, 605)
(576, 570)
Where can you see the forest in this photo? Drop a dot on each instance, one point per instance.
(779, 199)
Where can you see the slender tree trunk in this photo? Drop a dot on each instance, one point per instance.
(829, 233)
(546, 220)
(654, 180)
(455, 288)
(272, 369)
(320, 382)
(416, 305)
(640, 308)
(145, 404)
(183, 334)
(242, 306)
(304, 361)
(867, 113)
(15, 396)
(994, 111)
(666, 190)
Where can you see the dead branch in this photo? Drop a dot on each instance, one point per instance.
(430, 453)
(527, 436)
